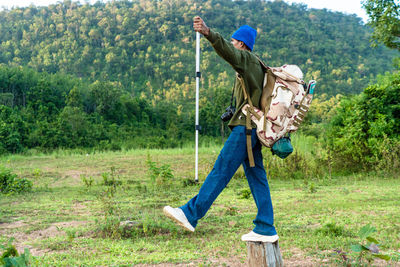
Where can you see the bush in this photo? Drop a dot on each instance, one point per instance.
(365, 132)
(10, 183)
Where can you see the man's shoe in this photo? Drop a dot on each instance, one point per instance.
(254, 237)
(179, 217)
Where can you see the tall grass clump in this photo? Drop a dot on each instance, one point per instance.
(306, 162)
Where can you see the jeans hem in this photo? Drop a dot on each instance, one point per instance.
(270, 232)
(190, 220)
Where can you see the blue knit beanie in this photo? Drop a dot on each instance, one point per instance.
(247, 35)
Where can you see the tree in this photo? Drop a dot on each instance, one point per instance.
(384, 17)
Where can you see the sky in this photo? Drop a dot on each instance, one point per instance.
(345, 6)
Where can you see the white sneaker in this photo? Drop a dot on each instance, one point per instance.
(259, 238)
(179, 217)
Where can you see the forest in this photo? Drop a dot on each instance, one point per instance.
(121, 74)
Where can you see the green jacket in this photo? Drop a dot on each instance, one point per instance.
(247, 65)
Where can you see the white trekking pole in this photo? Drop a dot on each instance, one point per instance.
(197, 126)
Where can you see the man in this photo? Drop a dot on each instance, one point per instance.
(238, 54)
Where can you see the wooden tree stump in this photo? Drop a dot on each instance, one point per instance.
(261, 254)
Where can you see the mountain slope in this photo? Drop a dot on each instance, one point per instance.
(148, 46)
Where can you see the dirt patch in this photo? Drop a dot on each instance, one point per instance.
(12, 225)
(80, 208)
(72, 177)
(70, 224)
(299, 258)
(32, 250)
(56, 229)
(231, 262)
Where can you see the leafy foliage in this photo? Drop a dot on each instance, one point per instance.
(369, 250)
(385, 19)
(366, 128)
(11, 258)
(10, 183)
(99, 114)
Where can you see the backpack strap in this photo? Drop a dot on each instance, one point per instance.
(247, 97)
(268, 87)
(266, 99)
(250, 110)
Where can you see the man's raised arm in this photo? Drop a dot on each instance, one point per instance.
(224, 49)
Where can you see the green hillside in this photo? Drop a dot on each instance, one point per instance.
(148, 46)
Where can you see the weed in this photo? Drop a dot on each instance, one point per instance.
(388, 158)
(188, 182)
(109, 179)
(88, 182)
(365, 251)
(141, 188)
(368, 248)
(312, 189)
(159, 175)
(71, 234)
(345, 191)
(10, 256)
(109, 226)
(396, 256)
(144, 227)
(37, 173)
(332, 229)
(231, 211)
(244, 193)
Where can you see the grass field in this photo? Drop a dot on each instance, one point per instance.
(72, 216)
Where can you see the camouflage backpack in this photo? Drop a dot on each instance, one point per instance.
(284, 103)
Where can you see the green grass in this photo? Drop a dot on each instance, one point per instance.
(63, 221)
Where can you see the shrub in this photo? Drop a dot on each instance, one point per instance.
(10, 183)
(365, 132)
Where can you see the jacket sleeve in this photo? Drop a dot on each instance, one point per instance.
(235, 57)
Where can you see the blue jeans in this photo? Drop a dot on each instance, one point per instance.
(231, 156)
